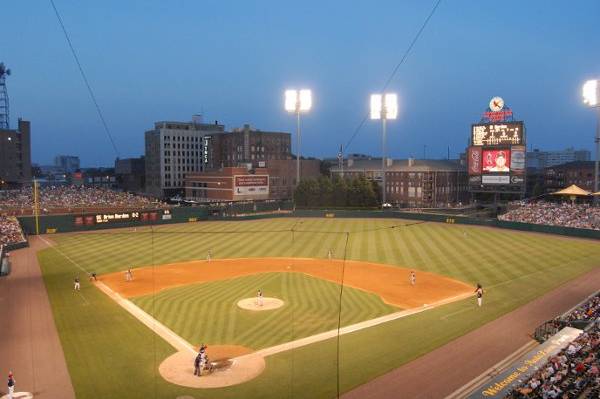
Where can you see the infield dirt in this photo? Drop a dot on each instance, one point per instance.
(391, 283)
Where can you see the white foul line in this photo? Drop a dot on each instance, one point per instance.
(182, 345)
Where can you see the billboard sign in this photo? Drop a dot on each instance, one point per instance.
(496, 161)
(517, 159)
(495, 179)
(251, 185)
(474, 160)
(525, 366)
(492, 134)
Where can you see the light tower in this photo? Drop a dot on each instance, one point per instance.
(4, 119)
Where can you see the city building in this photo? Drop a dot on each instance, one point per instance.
(422, 183)
(247, 146)
(538, 159)
(558, 177)
(67, 163)
(130, 174)
(173, 149)
(95, 177)
(15, 155)
(275, 181)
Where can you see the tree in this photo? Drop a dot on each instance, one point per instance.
(340, 190)
(325, 191)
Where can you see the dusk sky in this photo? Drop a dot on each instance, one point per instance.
(232, 60)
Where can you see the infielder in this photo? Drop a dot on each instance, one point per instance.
(77, 284)
(259, 298)
(330, 254)
(208, 256)
(413, 278)
(128, 275)
(479, 294)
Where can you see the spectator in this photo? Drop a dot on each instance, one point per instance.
(10, 230)
(72, 197)
(580, 216)
(573, 373)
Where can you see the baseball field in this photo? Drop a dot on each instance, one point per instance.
(136, 339)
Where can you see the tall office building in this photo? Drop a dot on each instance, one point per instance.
(67, 163)
(172, 150)
(537, 159)
(15, 155)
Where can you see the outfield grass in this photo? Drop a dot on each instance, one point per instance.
(208, 312)
(110, 354)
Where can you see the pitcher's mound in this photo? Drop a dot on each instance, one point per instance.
(179, 368)
(267, 304)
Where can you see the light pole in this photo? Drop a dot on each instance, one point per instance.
(298, 101)
(384, 107)
(591, 97)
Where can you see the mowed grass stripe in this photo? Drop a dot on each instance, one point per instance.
(311, 304)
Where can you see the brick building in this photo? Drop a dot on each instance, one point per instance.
(276, 181)
(413, 182)
(247, 146)
(558, 177)
(15, 155)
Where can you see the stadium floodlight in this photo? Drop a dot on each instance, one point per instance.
(591, 97)
(591, 93)
(297, 102)
(384, 107)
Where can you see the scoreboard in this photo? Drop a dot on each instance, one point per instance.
(496, 157)
(110, 218)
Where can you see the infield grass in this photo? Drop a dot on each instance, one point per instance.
(110, 354)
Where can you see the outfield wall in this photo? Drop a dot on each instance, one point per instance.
(49, 224)
(66, 223)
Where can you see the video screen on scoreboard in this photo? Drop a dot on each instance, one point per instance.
(493, 134)
(496, 161)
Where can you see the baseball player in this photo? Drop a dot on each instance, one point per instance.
(479, 294)
(412, 278)
(11, 385)
(76, 284)
(329, 254)
(93, 276)
(208, 256)
(128, 275)
(197, 360)
(259, 298)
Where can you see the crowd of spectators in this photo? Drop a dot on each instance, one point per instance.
(573, 373)
(71, 197)
(10, 230)
(581, 216)
(589, 311)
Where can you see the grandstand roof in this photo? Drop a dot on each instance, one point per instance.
(572, 190)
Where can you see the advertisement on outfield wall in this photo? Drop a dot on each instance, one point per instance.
(251, 185)
(474, 155)
(517, 159)
(496, 161)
